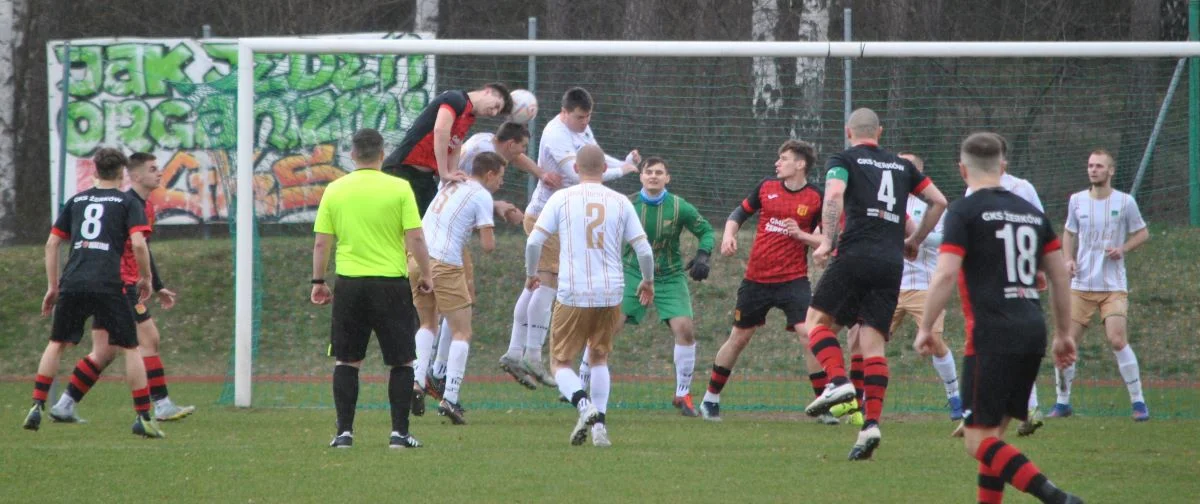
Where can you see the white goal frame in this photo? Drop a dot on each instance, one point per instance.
(248, 47)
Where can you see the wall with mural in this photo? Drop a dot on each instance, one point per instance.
(176, 98)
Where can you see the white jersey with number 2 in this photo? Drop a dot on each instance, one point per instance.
(593, 223)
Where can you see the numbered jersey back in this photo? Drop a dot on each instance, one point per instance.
(1002, 239)
(878, 184)
(97, 223)
(593, 223)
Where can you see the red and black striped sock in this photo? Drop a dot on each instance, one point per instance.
(819, 380)
(41, 388)
(156, 378)
(1011, 466)
(141, 401)
(824, 345)
(875, 382)
(991, 487)
(84, 376)
(718, 378)
(856, 376)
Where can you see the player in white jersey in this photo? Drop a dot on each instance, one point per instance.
(563, 136)
(458, 209)
(593, 224)
(1103, 225)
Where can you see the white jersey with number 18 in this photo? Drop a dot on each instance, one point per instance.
(593, 223)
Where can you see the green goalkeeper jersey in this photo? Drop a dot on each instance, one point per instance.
(664, 223)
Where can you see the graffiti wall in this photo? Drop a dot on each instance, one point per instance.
(176, 98)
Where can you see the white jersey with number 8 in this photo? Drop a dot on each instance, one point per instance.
(593, 223)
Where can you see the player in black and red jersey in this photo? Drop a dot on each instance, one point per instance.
(144, 177)
(777, 274)
(994, 244)
(96, 222)
(430, 148)
(862, 284)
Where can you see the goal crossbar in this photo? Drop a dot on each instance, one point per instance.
(248, 47)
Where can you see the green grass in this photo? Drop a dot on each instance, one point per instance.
(197, 334)
(280, 455)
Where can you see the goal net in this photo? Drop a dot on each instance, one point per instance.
(718, 121)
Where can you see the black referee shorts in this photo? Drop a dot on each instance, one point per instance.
(380, 304)
(859, 289)
(110, 311)
(424, 184)
(755, 299)
(995, 386)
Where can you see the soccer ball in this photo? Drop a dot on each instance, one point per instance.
(525, 106)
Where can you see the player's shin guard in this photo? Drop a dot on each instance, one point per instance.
(156, 377)
(818, 381)
(83, 377)
(345, 396)
(1014, 468)
(824, 345)
(875, 382)
(41, 388)
(990, 486)
(856, 377)
(400, 393)
(538, 317)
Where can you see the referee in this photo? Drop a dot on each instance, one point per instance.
(373, 217)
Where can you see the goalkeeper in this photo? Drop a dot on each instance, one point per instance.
(664, 216)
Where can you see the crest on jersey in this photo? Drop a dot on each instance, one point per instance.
(802, 210)
(1115, 213)
(140, 308)
(737, 315)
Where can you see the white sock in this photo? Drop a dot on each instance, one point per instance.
(424, 353)
(601, 387)
(685, 365)
(1128, 364)
(456, 368)
(520, 327)
(711, 397)
(1033, 399)
(538, 318)
(585, 371)
(568, 382)
(945, 369)
(443, 349)
(1063, 379)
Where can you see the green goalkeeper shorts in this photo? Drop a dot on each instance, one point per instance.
(671, 298)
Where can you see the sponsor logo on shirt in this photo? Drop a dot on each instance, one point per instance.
(84, 244)
(772, 196)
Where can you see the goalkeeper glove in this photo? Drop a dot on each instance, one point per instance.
(698, 266)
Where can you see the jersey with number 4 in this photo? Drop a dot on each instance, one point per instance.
(458, 210)
(877, 187)
(1001, 238)
(97, 223)
(593, 223)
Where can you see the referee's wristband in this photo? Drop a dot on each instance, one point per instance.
(318, 281)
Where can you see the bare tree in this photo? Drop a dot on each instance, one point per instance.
(768, 92)
(810, 72)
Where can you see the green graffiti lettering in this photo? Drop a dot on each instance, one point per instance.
(282, 135)
(307, 72)
(417, 71)
(314, 113)
(163, 68)
(123, 72)
(387, 70)
(346, 108)
(85, 123)
(221, 53)
(414, 102)
(266, 79)
(126, 124)
(350, 75)
(380, 112)
(89, 59)
(169, 125)
(216, 118)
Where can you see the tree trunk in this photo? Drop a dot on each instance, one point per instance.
(810, 73)
(426, 18)
(768, 92)
(9, 34)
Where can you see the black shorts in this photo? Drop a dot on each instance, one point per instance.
(755, 299)
(995, 386)
(858, 289)
(365, 304)
(141, 311)
(110, 311)
(424, 184)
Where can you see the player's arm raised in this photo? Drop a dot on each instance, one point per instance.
(523, 163)
(617, 168)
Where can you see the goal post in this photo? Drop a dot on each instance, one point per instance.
(245, 272)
